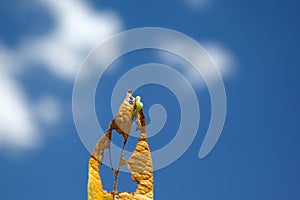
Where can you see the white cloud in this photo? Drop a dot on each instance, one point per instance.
(223, 59)
(48, 110)
(77, 29)
(17, 128)
(198, 4)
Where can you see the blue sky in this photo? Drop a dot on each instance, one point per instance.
(255, 44)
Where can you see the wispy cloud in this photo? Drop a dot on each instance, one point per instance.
(17, 128)
(77, 28)
(48, 110)
(198, 4)
(223, 58)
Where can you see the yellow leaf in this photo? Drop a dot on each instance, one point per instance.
(139, 164)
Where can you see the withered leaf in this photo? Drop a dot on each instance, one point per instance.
(139, 164)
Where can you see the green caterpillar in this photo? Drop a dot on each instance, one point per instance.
(139, 106)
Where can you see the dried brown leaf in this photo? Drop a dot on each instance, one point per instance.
(139, 164)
